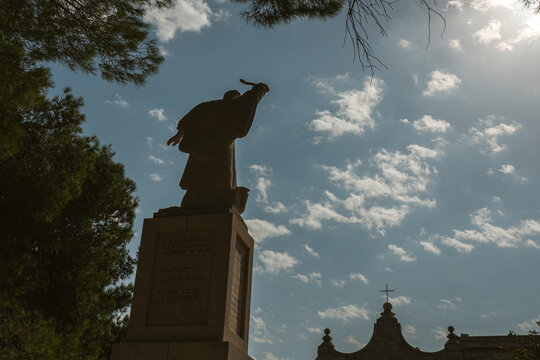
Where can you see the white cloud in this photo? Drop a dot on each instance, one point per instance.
(310, 251)
(428, 124)
(262, 229)
(156, 177)
(401, 253)
(273, 262)
(529, 32)
(507, 169)
(486, 5)
(399, 300)
(486, 232)
(405, 44)
(455, 44)
(358, 276)
(379, 201)
(155, 160)
(449, 304)
(441, 82)
(185, 15)
(261, 170)
(410, 330)
(258, 328)
(355, 108)
(531, 243)
(275, 208)
(262, 186)
(270, 356)
(352, 340)
(313, 278)
(158, 113)
(149, 140)
(529, 325)
(118, 101)
(430, 247)
(439, 333)
(314, 330)
(351, 277)
(345, 313)
(487, 132)
(458, 245)
(458, 4)
(489, 33)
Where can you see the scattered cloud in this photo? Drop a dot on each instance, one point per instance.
(158, 113)
(409, 330)
(270, 356)
(399, 300)
(529, 32)
(428, 124)
(149, 140)
(487, 132)
(275, 208)
(531, 243)
(405, 44)
(485, 232)
(345, 313)
(449, 304)
(441, 82)
(430, 247)
(439, 333)
(262, 229)
(313, 278)
(455, 44)
(273, 262)
(355, 108)
(529, 325)
(118, 101)
(507, 169)
(489, 33)
(156, 177)
(379, 201)
(261, 170)
(310, 251)
(262, 186)
(184, 15)
(259, 332)
(486, 5)
(458, 4)
(351, 277)
(352, 340)
(155, 160)
(489, 316)
(401, 253)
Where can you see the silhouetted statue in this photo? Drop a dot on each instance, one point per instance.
(207, 134)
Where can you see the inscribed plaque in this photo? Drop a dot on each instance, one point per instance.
(239, 287)
(181, 278)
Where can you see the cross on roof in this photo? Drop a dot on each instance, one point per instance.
(386, 291)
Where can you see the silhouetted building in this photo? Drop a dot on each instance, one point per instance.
(387, 343)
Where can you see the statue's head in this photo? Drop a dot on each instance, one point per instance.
(231, 94)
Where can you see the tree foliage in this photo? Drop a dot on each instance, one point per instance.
(66, 216)
(105, 36)
(360, 15)
(524, 347)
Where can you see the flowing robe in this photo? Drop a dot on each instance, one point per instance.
(209, 132)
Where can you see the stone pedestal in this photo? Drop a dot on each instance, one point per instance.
(192, 290)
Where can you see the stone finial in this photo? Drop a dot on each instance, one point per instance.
(453, 340)
(327, 338)
(327, 347)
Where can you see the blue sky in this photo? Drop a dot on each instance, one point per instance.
(425, 177)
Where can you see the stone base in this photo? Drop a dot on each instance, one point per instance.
(192, 289)
(193, 350)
